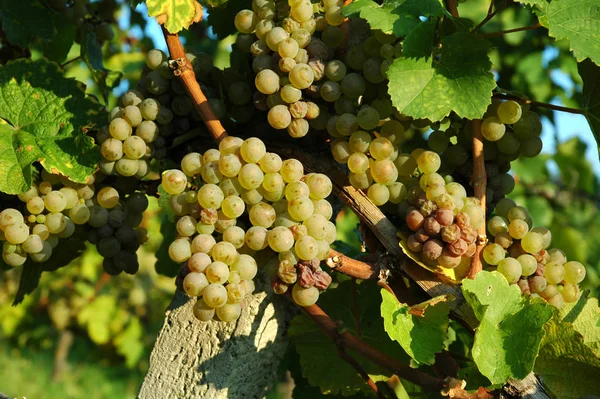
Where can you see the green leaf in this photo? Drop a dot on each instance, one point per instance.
(584, 315)
(180, 14)
(459, 81)
(419, 42)
(318, 354)
(420, 329)
(25, 20)
(578, 21)
(129, 342)
(43, 118)
(96, 317)
(590, 75)
(508, 339)
(164, 264)
(568, 367)
(91, 52)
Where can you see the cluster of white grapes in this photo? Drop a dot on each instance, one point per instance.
(56, 208)
(521, 253)
(442, 219)
(238, 200)
(306, 79)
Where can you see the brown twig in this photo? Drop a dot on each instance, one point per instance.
(389, 289)
(352, 362)
(491, 14)
(62, 66)
(453, 7)
(479, 181)
(524, 101)
(504, 32)
(186, 74)
(352, 267)
(428, 382)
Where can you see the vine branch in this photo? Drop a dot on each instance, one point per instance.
(352, 267)
(185, 72)
(520, 100)
(479, 182)
(453, 7)
(349, 341)
(504, 32)
(491, 14)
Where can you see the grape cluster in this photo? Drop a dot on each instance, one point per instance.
(79, 12)
(521, 254)
(509, 132)
(56, 208)
(234, 202)
(442, 219)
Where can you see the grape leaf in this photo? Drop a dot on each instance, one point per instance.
(419, 42)
(501, 350)
(129, 342)
(91, 53)
(180, 14)
(44, 118)
(164, 264)
(590, 75)
(420, 329)
(460, 80)
(568, 367)
(318, 354)
(30, 278)
(23, 31)
(584, 315)
(578, 21)
(397, 16)
(541, 4)
(96, 317)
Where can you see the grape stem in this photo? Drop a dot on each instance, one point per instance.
(453, 7)
(346, 340)
(491, 14)
(504, 32)
(62, 66)
(520, 100)
(479, 181)
(187, 77)
(351, 267)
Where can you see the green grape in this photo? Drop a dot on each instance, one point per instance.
(279, 117)
(246, 266)
(181, 105)
(211, 155)
(301, 76)
(217, 272)
(368, 118)
(360, 141)
(438, 141)
(210, 196)
(456, 190)
(252, 197)
(256, 238)
(199, 261)
(301, 10)
(557, 256)
(300, 208)
(531, 147)
(291, 170)
(273, 182)
(245, 21)
(174, 181)
(194, 283)
(504, 206)
(306, 248)
(112, 149)
(17, 233)
(186, 226)
(164, 117)
(362, 181)
(149, 109)
(353, 85)
(263, 27)
(574, 272)
(570, 292)
(518, 229)
(191, 164)
(230, 165)
(319, 184)
(267, 81)
(381, 148)
(203, 243)
(532, 242)
(290, 94)
(14, 259)
(384, 172)
(330, 91)
(508, 144)
(335, 17)
(429, 162)
(335, 70)
(372, 70)
(275, 37)
(235, 235)
(296, 189)
(528, 126)
(528, 264)
(127, 167)
(554, 273)
(134, 147)
(71, 197)
(270, 163)
(288, 48)
(154, 58)
(332, 36)
(303, 38)
(108, 197)
(263, 62)
(492, 128)
(229, 312)
(497, 225)
(509, 112)
(239, 93)
(132, 115)
(253, 150)
(55, 201)
(517, 212)
(215, 295)
(280, 239)
(493, 254)
(29, 194)
(305, 296)
(233, 206)
(358, 162)
(557, 301)
(262, 214)
(550, 291)
(398, 192)
(224, 252)
(316, 226)
(475, 214)
(511, 269)
(379, 194)
(41, 230)
(119, 128)
(250, 176)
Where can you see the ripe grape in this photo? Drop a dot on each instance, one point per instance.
(305, 296)
(306, 248)
(574, 272)
(195, 283)
(202, 311)
(492, 128)
(280, 239)
(554, 273)
(509, 112)
(493, 254)
(245, 21)
(174, 181)
(511, 269)
(229, 312)
(246, 266)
